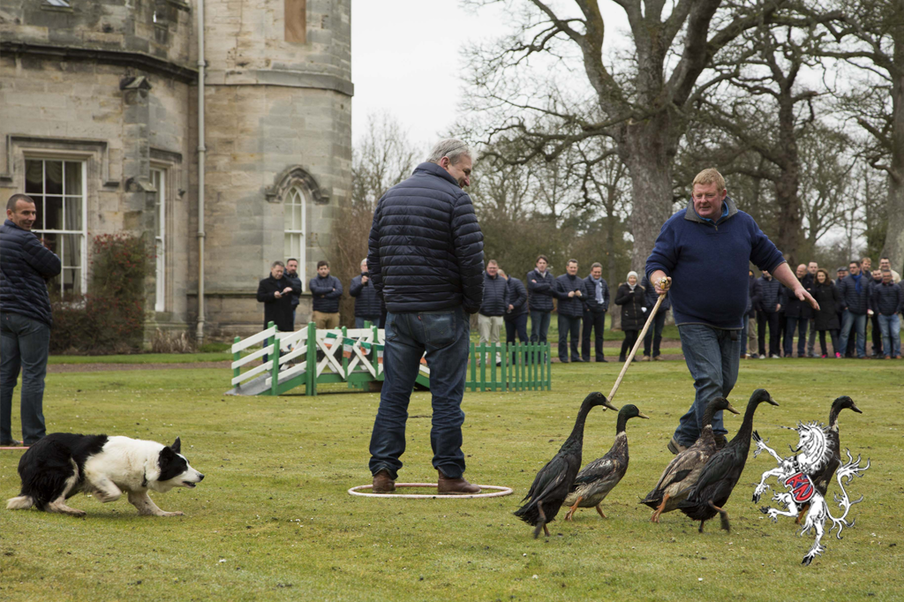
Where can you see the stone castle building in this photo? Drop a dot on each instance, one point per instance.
(100, 124)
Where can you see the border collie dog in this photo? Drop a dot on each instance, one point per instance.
(62, 464)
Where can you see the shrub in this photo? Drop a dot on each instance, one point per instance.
(109, 318)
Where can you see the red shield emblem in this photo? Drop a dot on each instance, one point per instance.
(801, 487)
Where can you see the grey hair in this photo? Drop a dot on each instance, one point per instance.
(450, 147)
(277, 263)
(596, 264)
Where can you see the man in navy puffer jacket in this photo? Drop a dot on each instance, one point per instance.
(571, 293)
(368, 307)
(856, 289)
(425, 255)
(25, 318)
(492, 309)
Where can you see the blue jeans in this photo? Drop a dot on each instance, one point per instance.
(359, 321)
(799, 324)
(572, 325)
(539, 326)
(445, 337)
(25, 344)
(713, 356)
(891, 334)
(857, 321)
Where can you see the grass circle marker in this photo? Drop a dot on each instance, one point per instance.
(498, 492)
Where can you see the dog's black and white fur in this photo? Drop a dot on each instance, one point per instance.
(62, 464)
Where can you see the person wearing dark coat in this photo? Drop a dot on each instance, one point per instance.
(887, 302)
(769, 292)
(516, 311)
(490, 318)
(631, 298)
(275, 292)
(326, 291)
(425, 256)
(654, 334)
(541, 286)
(595, 307)
(797, 315)
(25, 319)
(292, 276)
(841, 275)
(368, 306)
(571, 293)
(748, 332)
(826, 319)
(856, 290)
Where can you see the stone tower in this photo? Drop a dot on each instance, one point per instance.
(278, 144)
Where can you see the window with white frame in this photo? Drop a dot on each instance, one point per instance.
(294, 219)
(58, 187)
(158, 179)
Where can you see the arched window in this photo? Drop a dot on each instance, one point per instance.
(294, 219)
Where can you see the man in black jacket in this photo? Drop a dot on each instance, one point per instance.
(595, 308)
(425, 254)
(541, 286)
(570, 292)
(292, 277)
(768, 289)
(797, 315)
(275, 292)
(25, 319)
(856, 289)
(516, 309)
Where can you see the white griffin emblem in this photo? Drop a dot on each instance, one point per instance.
(795, 472)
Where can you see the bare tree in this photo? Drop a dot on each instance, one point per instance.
(871, 38)
(642, 106)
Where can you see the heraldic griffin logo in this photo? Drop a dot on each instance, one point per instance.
(796, 473)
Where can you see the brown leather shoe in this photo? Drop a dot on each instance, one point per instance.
(460, 486)
(382, 482)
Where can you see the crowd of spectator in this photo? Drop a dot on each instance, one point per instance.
(858, 301)
(858, 308)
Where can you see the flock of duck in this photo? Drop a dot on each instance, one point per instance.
(698, 481)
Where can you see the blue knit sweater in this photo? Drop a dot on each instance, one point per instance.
(708, 263)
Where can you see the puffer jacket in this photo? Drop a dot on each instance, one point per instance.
(590, 301)
(632, 316)
(542, 291)
(570, 306)
(425, 251)
(856, 302)
(25, 267)
(367, 302)
(770, 293)
(887, 298)
(494, 296)
(326, 293)
(517, 298)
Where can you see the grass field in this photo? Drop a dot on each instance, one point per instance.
(273, 521)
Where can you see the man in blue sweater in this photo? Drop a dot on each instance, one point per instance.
(702, 256)
(25, 319)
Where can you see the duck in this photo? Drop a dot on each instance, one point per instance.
(683, 471)
(722, 471)
(823, 477)
(552, 483)
(598, 478)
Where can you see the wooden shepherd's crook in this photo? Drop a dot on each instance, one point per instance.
(637, 344)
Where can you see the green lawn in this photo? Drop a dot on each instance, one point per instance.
(273, 521)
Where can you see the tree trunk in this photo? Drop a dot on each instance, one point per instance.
(646, 149)
(894, 240)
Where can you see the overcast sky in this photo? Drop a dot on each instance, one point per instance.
(406, 59)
